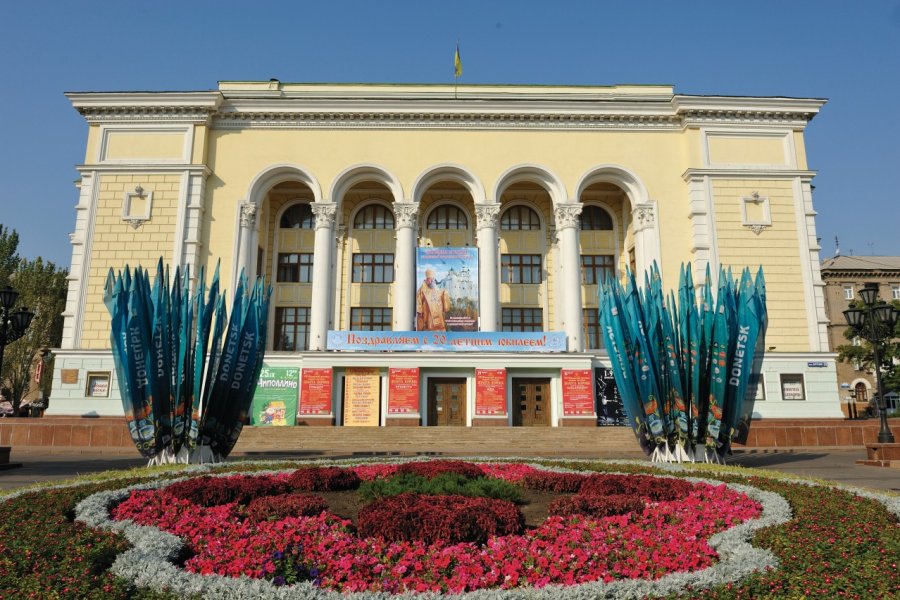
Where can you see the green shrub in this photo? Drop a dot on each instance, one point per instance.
(442, 485)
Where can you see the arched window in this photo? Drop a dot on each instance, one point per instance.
(862, 392)
(374, 216)
(519, 218)
(299, 216)
(594, 218)
(447, 216)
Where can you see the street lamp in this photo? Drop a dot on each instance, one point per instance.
(875, 323)
(12, 324)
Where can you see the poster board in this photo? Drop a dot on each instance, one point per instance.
(403, 391)
(362, 397)
(490, 392)
(577, 393)
(315, 392)
(454, 274)
(276, 397)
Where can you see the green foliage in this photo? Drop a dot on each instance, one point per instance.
(44, 554)
(442, 485)
(42, 289)
(864, 355)
(9, 256)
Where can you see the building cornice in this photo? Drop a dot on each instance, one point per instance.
(255, 104)
(144, 168)
(189, 107)
(875, 273)
(731, 173)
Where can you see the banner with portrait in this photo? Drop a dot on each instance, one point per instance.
(447, 289)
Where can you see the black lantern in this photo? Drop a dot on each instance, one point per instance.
(875, 322)
(12, 324)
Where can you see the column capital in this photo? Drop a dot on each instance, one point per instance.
(644, 216)
(248, 215)
(325, 213)
(487, 215)
(406, 213)
(566, 215)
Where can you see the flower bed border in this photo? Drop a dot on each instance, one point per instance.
(148, 563)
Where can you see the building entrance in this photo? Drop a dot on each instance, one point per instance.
(531, 402)
(447, 402)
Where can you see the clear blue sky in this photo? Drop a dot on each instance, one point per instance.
(847, 52)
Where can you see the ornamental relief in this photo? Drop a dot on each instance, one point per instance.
(325, 213)
(248, 215)
(405, 213)
(644, 216)
(487, 215)
(567, 215)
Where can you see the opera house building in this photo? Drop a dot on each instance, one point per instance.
(435, 251)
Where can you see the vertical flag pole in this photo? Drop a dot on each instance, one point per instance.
(457, 70)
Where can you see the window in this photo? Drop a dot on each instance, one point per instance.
(294, 268)
(594, 218)
(374, 216)
(520, 268)
(371, 319)
(595, 268)
(523, 319)
(519, 218)
(373, 268)
(848, 291)
(291, 328)
(299, 216)
(792, 387)
(895, 291)
(856, 364)
(593, 340)
(447, 216)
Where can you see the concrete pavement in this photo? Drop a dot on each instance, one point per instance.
(823, 463)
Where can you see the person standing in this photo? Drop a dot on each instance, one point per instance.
(432, 303)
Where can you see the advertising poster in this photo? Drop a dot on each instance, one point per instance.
(577, 392)
(315, 392)
(447, 292)
(362, 397)
(276, 397)
(490, 392)
(610, 410)
(403, 391)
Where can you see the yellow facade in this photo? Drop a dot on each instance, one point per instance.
(712, 181)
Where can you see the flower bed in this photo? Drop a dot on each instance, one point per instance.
(824, 550)
(456, 544)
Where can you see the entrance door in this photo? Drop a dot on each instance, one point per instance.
(447, 402)
(531, 402)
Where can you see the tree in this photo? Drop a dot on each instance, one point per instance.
(861, 353)
(9, 257)
(42, 288)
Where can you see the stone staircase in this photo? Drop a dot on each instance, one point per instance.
(507, 441)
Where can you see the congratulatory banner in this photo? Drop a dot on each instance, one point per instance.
(417, 341)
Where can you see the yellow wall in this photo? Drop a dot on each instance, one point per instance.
(776, 249)
(144, 145)
(116, 243)
(747, 150)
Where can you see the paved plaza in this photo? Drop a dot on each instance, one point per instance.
(832, 464)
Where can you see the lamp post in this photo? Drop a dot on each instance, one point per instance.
(875, 323)
(12, 324)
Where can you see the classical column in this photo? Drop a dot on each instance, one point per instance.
(405, 266)
(321, 275)
(487, 216)
(246, 255)
(566, 216)
(646, 238)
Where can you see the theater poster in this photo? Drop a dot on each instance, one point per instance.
(362, 397)
(447, 289)
(275, 399)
